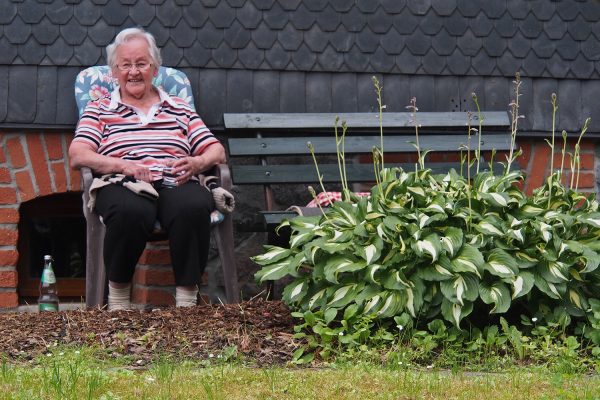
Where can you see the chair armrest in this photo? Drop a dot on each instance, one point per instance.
(224, 174)
(87, 177)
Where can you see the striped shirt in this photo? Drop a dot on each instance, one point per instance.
(170, 130)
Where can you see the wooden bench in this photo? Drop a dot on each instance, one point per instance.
(273, 138)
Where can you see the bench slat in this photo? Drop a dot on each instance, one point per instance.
(294, 121)
(361, 144)
(306, 173)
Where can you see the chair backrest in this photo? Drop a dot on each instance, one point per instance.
(97, 81)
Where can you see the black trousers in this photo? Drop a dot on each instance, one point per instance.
(184, 213)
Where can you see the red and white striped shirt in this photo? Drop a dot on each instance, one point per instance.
(170, 130)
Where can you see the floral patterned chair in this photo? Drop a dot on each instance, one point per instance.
(94, 83)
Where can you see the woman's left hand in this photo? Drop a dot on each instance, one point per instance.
(186, 167)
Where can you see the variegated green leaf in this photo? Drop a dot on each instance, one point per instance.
(346, 213)
(272, 272)
(552, 290)
(295, 291)
(316, 298)
(496, 199)
(396, 280)
(460, 288)
(429, 245)
(300, 238)
(488, 228)
(393, 303)
(578, 300)
(497, 294)
(469, 259)
(592, 219)
(415, 296)
(500, 263)
(440, 271)
(272, 255)
(454, 313)
(452, 240)
(522, 284)
(342, 296)
(339, 264)
(371, 271)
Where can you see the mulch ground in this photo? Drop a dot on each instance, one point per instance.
(259, 331)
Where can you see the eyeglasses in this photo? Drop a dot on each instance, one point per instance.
(141, 66)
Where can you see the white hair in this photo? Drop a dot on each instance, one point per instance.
(133, 33)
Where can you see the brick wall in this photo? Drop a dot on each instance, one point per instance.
(33, 165)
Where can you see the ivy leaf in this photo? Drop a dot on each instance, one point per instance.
(498, 294)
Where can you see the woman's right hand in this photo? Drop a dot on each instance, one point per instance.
(137, 171)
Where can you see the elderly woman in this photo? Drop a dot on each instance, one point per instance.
(138, 131)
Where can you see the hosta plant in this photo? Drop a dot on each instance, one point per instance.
(463, 248)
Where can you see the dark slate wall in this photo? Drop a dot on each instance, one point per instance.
(314, 55)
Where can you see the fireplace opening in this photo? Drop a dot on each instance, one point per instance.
(52, 225)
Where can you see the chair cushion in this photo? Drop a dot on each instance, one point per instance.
(95, 82)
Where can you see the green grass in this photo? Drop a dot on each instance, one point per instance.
(79, 374)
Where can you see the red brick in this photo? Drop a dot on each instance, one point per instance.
(8, 237)
(59, 177)
(524, 158)
(9, 300)
(156, 257)
(587, 180)
(8, 279)
(539, 166)
(39, 163)
(154, 276)
(15, 151)
(5, 175)
(8, 195)
(75, 179)
(24, 186)
(2, 156)
(587, 161)
(153, 296)
(455, 156)
(8, 257)
(54, 146)
(586, 145)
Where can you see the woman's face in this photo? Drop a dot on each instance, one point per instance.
(134, 82)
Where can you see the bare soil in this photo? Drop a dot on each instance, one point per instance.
(258, 331)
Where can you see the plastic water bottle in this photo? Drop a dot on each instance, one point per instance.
(48, 300)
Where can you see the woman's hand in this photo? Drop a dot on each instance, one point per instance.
(186, 167)
(137, 171)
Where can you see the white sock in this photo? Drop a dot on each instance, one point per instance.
(119, 298)
(184, 297)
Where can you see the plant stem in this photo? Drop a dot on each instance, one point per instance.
(480, 118)
(414, 109)
(319, 176)
(378, 89)
(514, 122)
(554, 109)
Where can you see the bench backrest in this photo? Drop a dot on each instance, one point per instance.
(281, 135)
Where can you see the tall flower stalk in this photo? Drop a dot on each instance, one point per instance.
(413, 109)
(514, 112)
(551, 143)
(480, 119)
(378, 90)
